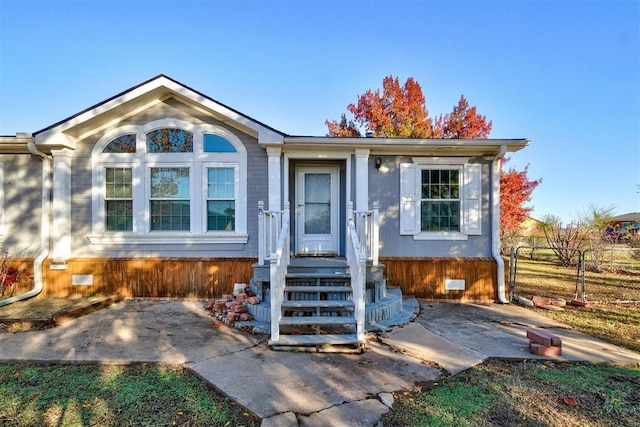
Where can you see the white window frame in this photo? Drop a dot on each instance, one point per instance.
(141, 163)
(236, 187)
(470, 182)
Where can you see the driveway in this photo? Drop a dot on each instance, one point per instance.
(289, 388)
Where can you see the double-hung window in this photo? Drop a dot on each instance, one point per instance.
(118, 199)
(169, 181)
(221, 198)
(440, 199)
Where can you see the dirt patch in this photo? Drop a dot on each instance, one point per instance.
(47, 312)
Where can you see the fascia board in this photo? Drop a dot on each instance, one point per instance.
(404, 146)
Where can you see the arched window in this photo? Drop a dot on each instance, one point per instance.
(184, 182)
(217, 144)
(122, 144)
(169, 140)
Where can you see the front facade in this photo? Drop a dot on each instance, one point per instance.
(159, 191)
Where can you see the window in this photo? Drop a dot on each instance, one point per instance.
(122, 144)
(217, 144)
(169, 141)
(119, 198)
(169, 202)
(440, 198)
(221, 206)
(169, 181)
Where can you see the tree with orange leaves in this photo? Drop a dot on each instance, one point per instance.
(398, 112)
(463, 122)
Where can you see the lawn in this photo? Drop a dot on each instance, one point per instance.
(525, 393)
(497, 392)
(112, 395)
(614, 311)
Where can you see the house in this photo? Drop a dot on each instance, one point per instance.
(161, 191)
(623, 226)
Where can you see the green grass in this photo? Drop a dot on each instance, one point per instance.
(525, 393)
(606, 318)
(112, 395)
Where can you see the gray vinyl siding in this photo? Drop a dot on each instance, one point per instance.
(22, 193)
(81, 214)
(384, 186)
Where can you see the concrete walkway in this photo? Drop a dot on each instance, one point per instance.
(310, 389)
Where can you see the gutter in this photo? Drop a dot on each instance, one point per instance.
(38, 278)
(495, 222)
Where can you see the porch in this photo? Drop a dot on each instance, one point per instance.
(320, 301)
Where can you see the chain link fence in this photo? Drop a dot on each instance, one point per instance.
(608, 275)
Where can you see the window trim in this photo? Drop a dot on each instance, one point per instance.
(470, 197)
(141, 162)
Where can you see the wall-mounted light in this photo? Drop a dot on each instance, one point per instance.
(378, 163)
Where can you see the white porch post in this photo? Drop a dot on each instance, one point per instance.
(362, 179)
(275, 180)
(61, 204)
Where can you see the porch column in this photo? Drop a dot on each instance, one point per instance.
(61, 236)
(362, 179)
(275, 178)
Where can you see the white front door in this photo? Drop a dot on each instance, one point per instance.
(317, 209)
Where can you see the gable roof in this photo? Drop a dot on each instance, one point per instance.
(140, 97)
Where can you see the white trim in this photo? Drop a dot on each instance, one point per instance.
(470, 198)
(440, 161)
(62, 204)
(161, 238)
(274, 155)
(141, 162)
(362, 179)
(295, 155)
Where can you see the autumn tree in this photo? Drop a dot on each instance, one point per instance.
(515, 191)
(398, 111)
(463, 122)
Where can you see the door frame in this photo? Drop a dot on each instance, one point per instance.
(327, 244)
(343, 161)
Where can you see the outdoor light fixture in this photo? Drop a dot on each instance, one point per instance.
(378, 163)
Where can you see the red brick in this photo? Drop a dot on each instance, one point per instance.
(542, 350)
(577, 303)
(538, 301)
(544, 338)
(231, 316)
(245, 316)
(253, 300)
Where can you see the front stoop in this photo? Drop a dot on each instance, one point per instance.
(317, 311)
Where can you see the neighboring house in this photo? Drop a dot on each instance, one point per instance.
(161, 191)
(622, 226)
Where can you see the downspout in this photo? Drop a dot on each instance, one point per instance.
(495, 222)
(38, 279)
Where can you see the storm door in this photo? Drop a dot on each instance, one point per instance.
(317, 210)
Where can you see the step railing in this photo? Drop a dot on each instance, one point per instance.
(269, 227)
(356, 261)
(279, 262)
(367, 226)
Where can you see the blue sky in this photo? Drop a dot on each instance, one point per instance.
(565, 74)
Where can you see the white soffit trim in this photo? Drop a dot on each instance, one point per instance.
(144, 96)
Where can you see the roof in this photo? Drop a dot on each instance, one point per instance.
(145, 83)
(412, 146)
(67, 132)
(629, 217)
